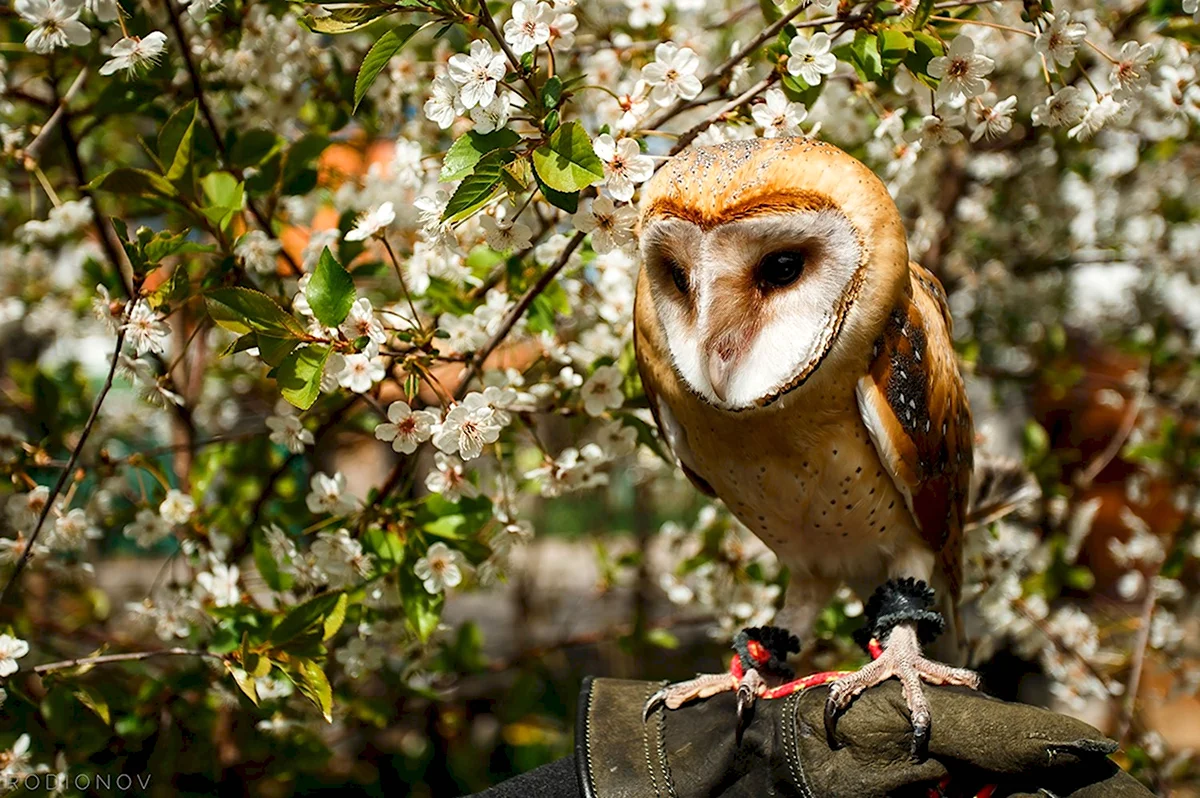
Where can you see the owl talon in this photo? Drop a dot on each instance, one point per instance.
(901, 659)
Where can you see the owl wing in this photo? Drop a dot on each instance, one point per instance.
(914, 404)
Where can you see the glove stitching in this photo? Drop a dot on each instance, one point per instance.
(791, 746)
(646, 746)
(662, 754)
(591, 770)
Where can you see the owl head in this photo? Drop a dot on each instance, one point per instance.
(768, 259)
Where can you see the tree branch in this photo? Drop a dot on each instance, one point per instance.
(514, 315)
(129, 657)
(210, 120)
(66, 472)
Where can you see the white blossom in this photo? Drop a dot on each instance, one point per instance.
(361, 322)
(146, 330)
(603, 390)
(610, 227)
(467, 428)
(961, 71)
(1059, 40)
(132, 53)
(373, 222)
(148, 528)
(11, 650)
(339, 560)
(288, 431)
(992, 120)
(937, 130)
(449, 479)
(406, 428)
(327, 494)
(177, 507)
(672, 74)
(504, 236)
(258, 251)
(624, 165)
(777, 115)
(810, 59)
(440, 568)
(221, 584)
(529, 27)
(55, 24)
(360, 372)
(476, 74)
(443, 105)
(1065, 107)
(646, 13)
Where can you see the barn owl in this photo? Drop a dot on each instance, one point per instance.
(801, 369)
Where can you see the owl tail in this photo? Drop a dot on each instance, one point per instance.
(998, 487)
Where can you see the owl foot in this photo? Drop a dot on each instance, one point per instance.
(899, 615)
(758, 664)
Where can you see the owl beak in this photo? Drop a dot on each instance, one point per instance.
(718, 372)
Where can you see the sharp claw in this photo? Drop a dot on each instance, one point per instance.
(832, 711)
(745, 710)
(920, 742)
(653, 703)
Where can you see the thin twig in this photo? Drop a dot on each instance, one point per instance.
(485, 18)
(31, 152)
(1128, 422)
(66, 472)
(210, 120)
(1137, 663)
(730, 107)
(515, 314)
(130, 657)
(724, 69)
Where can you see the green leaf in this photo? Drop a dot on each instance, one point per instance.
(423, 610)
(465, 153)
(274, 350)
(330, 291)
(552, 92)
(921, 16)
(173, 131)
(241, 310)
(90, 697)
(336, 617)
(566, 200)
(134, 182)
(311, 681)
(477, 187)
(180, 172)
(925, 49)
(298, 176)
(568, 162)
(245, 682)
(378, 56)
(225, 194)
(299, 375)
(252, 147)
(347, 17)
(894, 46)
(166, 244)
(866, 60)
(303, 616)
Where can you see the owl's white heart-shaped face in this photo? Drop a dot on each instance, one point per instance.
(761, 257)
(751, 306)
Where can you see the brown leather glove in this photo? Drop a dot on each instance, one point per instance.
(976, 741)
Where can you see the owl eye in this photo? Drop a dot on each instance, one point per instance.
(780, 269)
(678, 276)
